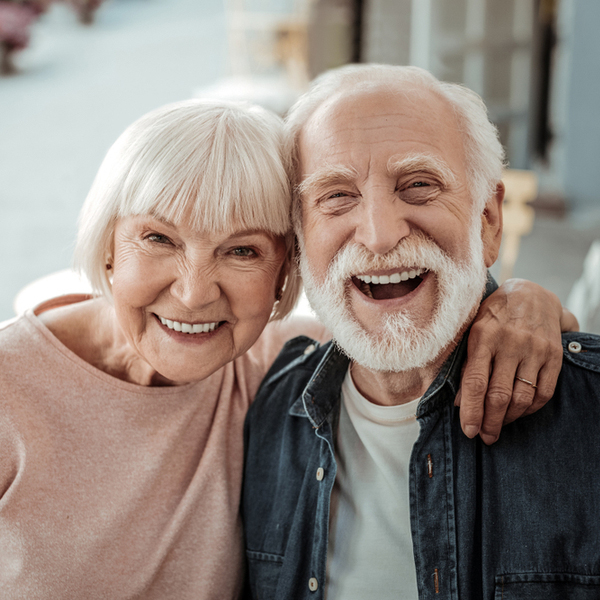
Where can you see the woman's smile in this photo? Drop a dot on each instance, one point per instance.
(189, 327)
(189, 301)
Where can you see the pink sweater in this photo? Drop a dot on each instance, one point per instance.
(118, 491)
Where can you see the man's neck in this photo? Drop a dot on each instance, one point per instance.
(390, 388)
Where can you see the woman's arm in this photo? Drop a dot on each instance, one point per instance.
(515, 333)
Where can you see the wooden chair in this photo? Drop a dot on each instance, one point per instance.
(521, 188)
(267, 54)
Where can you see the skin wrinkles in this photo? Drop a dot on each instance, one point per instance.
(377, 134)
(327, 179)
(352, 142)
(415, 164)
(178, 273)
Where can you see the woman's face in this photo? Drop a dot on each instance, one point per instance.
(168, 277)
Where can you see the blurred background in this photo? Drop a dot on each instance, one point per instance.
(75, 73)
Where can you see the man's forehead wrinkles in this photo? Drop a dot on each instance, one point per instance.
(413, 162)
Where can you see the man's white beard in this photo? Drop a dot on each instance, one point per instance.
(403, 344)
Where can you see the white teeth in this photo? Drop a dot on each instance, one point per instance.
(394, 278)
(189, 327)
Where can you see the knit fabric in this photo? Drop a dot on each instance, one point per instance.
(114, 490)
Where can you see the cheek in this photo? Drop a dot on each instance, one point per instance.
(322, 241)
(451, 232)
(252, 297)
(137, 283)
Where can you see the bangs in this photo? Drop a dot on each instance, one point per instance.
(220, 175)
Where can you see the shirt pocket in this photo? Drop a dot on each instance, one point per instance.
(263, 573)
(547, 586)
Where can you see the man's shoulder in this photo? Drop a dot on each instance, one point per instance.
(289, 374)
(581, 350)
(297, 360)
(577, 391)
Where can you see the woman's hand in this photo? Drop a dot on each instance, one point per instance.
(516, 333)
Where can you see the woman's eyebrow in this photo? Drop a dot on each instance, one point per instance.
(248, 232)
(160, 219)
(327, 175)
(414, 163)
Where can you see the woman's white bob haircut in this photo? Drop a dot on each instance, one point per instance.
(484, 153)
(223, 166)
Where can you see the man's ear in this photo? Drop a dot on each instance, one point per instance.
(491, 226)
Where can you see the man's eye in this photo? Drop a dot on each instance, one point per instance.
(243, 251)
(337, 203)
(419, 192)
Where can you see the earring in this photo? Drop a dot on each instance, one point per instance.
(108, 267)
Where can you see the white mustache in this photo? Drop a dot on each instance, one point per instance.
(415, 251)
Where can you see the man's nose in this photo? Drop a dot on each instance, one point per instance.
(382, 224)
(195, 288)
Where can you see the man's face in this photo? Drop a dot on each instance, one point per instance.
(392, 254)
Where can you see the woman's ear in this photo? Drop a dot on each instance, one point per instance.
(491, 226)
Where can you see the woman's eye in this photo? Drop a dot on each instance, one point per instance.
(158, 238)
(243, 252)
(419, 184)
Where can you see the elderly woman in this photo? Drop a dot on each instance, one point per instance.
(121, 414)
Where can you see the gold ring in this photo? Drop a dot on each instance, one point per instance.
(527, 382)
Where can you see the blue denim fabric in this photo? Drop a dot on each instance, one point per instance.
(519, 520)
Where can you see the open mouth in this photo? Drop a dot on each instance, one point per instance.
(189, 328)
(395, 285)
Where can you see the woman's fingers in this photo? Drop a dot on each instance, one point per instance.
(523, 397)
(499, 398)
(515, 334)
(546, 382)
(473, 389)
(505, 397)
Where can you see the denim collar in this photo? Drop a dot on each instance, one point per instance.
(321, 395)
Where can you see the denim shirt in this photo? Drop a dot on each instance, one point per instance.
(517, 520)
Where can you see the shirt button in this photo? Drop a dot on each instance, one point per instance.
(313, 584)
(574, 347)
(309, 348)
(320, 474)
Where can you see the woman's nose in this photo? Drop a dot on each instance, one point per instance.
(195, 288)
(382, 226)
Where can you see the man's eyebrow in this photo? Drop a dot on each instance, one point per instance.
(324, 176)
(415, 163)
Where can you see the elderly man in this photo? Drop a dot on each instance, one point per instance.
(359, 482)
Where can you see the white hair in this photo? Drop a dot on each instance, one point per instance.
(484, 154)
(403, 343)
(225, 164)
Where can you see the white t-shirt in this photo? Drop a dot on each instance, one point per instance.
(370, 552)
